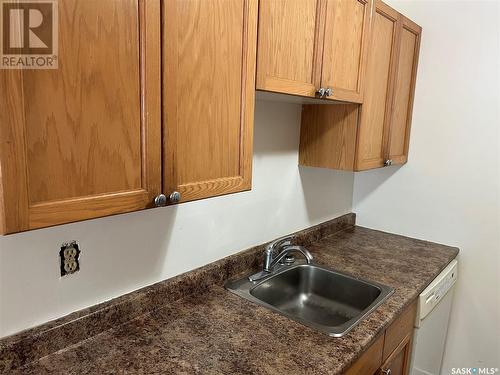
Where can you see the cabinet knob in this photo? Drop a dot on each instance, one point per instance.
(321, 92)
(386, 371)
(175, 197)
(160, 200)
(328, 92)
(388, 163)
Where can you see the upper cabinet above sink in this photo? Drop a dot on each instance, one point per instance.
(308, 45)
(96, 137)
(209, 53)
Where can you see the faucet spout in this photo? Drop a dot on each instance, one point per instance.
(287, 251)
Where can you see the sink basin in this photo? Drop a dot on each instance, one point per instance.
(326, 300)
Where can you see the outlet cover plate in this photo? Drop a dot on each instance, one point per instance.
(69, 256)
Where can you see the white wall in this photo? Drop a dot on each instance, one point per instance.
(449, 190)
(126, 252)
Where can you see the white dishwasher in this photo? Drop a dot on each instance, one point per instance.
(431, 324)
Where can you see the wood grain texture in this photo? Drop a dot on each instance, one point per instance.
(60, 212)
(208, 102)
(90, 130)
(328, 136)
(376, 108)
(289, 46)
(151, 91)
(75, 139)
(399, 361)
(12, 153)
(404, 91)
(345, 48)
(370, 360)
(383, 130)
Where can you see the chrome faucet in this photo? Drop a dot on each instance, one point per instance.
(285, 249)
(275, 247)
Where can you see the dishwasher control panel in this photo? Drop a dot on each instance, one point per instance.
(437, 289)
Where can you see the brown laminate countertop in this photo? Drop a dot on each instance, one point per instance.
(216, 332)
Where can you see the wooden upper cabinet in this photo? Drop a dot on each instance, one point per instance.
(83, 140)
(406, 72)
(346, 39)
(208, 96)
(289, 48)
(375, 113)
(308, 44)
(379, 134)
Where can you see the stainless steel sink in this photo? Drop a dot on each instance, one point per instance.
(329, 301)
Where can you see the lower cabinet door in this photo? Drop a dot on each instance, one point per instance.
(399, 360)
(390, 353)
(209, 54)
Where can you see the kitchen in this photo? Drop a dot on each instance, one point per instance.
(89, 149)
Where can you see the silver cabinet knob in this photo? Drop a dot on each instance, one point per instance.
(388, 163)
(175, 197)
(160, 200)
(321, 92)
(386, 371)
(328, 92)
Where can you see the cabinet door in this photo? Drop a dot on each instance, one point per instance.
(402, 109)
(209, 57)
(289, 49)
(83, 140)
(376, 109)
(399, 361)
(345, 47)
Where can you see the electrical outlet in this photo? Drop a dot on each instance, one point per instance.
(69, 258)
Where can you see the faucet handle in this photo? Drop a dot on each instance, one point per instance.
(271, 247)
(279, 243)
